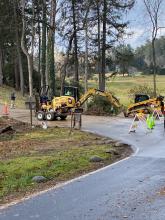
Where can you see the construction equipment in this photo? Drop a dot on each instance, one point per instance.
(91, 92)
(70, 102)
(143, 104)
(139, 119)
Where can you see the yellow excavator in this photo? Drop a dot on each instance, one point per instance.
(69, 102)
(144, 104)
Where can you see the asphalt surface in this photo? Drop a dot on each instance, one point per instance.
(130, 189)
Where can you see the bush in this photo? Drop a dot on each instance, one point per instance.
(142, 89)
(99, 105)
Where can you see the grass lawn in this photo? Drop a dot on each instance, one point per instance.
(5, 93)
(52, 153)
(121, 86)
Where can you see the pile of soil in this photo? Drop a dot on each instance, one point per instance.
(15, 125)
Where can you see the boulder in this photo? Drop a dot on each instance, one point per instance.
(95, 159)
(39, 179)
(104, 139)
(111, 151)
(120, 144)
(109, 142)
(100, 142)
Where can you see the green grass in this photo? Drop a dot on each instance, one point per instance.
(16, 174)
(5, 92)
(52, 153)
(121, 86)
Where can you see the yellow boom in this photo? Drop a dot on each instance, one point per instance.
(91, 92)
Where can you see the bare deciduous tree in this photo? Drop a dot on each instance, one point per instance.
(1, 71)
(153, 9)
(43, 47)
(27, 52)
(18, 48)
(50, 48)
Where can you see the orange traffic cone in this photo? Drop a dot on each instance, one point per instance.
(5, 110)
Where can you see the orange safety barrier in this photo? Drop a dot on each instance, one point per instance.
(5, 110)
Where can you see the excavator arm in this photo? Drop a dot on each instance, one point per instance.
(91, 92)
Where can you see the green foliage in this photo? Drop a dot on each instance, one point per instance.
(65, 159)
(143, 56)
(57, 86)
(79, 85)
(5, 93)
(141, 89)
(124, 56)
(101, 106)
(17, 174)
(68, 83)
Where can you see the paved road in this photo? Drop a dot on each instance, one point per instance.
(127, 190)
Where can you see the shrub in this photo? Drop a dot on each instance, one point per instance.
(99, 105)
(142, 89)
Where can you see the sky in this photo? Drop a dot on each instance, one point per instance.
(140, 25)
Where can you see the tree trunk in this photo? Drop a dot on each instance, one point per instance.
(99, 44)
(33, 34)
(18, 50)
(52, 67)
(76, 63)
(86, 57)
(1, 68)
(153, 9)
(29, 57)
(16, 72)
(86, 61)
(30, 70)
(20, 71)
(154, 66)
(39, 49)
(103, 69)
(50, 55)
(43, 50)
(66, 63)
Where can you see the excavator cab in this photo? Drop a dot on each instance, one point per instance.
(71, 91)
(141, 98)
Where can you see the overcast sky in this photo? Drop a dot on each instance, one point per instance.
(140, 24)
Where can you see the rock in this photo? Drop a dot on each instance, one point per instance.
(44, 125)
(39, 179)
(6, 129)
(95, 159)
(111, 151)
(85, 143)
(100, 142)
(96, 138)
(109, 142)
(104, 139)
(120, 144)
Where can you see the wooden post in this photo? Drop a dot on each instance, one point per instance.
(76, 118)
(30, 107)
